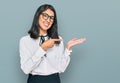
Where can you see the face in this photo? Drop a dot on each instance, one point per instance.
(46, 20)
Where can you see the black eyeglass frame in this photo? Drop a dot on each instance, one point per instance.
(45, 16)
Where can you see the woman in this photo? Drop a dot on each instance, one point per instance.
(42, 53)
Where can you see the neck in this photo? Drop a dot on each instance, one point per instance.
(43, 32)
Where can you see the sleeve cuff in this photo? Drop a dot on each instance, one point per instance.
(38, 55)
(67, 52)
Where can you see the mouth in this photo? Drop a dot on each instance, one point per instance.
(46, 24)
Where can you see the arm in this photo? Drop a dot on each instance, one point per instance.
(65, 58)
(29, 60)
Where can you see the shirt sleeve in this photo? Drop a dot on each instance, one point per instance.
(64, 58)
(29, 60)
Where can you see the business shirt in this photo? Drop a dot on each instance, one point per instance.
(34, 62)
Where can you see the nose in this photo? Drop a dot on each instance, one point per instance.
(48, 19)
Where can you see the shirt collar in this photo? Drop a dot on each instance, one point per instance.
(45, 35)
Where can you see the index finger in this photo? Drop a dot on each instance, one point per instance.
(57, 39)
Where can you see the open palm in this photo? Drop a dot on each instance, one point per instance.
(74, 42)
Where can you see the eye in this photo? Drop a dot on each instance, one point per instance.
(52, 17)
(45, 15)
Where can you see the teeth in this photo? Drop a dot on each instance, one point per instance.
(46, 24)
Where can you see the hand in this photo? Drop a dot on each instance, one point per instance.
(74, 41)
(49, 43)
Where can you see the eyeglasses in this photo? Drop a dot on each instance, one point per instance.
(45, 16)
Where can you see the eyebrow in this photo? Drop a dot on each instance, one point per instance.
(48, 14)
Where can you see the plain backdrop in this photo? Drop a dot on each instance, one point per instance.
(95, 61)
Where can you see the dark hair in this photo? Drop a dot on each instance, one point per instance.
(34, 30)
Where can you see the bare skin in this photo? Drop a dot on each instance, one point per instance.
(46, 24)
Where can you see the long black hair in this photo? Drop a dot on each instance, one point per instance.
(52, 32)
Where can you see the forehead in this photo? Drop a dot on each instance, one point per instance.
(49, 12)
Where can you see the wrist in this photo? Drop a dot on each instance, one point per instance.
(68, 47)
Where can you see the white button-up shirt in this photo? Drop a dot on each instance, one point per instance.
(34, 62)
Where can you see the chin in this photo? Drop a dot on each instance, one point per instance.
(46, 28)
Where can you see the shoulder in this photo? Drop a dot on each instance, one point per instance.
(61, 43)
(60, 37)
(25, 38)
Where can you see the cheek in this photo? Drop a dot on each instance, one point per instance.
(51, 24)
(40, 22)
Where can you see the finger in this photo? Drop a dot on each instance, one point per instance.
(57, 39)
(81, 39)
(75, 43)
(74, 39)
(84, 38)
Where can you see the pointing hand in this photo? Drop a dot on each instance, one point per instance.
(49, 43)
